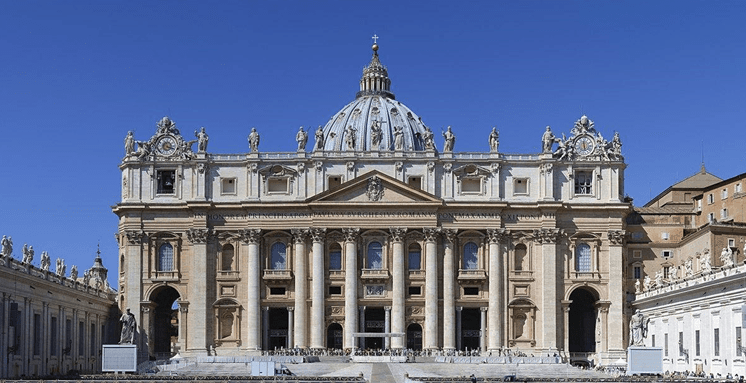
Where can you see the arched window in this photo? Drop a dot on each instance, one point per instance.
(335, 257)
(521, 263)
(227, 258)
(375, 255)
(279, 257)
(583, 257)
(415, 257)
(470, 256)
(166, 257)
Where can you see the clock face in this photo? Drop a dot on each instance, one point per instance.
(584, 145)
(166, 146)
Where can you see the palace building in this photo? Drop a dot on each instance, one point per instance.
(374, 230)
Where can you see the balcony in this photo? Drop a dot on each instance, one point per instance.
(375, 274)
(272, 276)
(417, 275)
(227, 275)
(467, 276)
(166, 276)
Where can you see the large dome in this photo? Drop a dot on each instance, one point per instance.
(374, 105)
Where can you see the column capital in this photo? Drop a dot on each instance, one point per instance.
(397, 233)
(350, 234)
(616, 237)
(449, 234)
(299, 235)
(291, 308)
(387, 308)
(548, 236)
(318, 233)
(183, 306)
(265, 308)
(431, 234)
(135, 237)
(199, 235)
(483, 309)
(459, 308)
(250, 236)
(566, 305)
(498, 235)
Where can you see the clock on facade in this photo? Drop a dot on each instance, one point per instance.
(584, 145)
(166, 145)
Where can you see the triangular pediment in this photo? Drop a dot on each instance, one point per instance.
(375, 187)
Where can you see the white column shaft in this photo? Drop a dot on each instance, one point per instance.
(317, 298)
(431, 295)
(290, 340)
(387, 327)
(253, 336)
(350, 294)
(301, 295)
(449, 295)
(495, 313)
(550, 308)
(397, 300)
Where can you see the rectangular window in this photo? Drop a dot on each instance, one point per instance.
(681, 343)
(652, 340)
(276, 291)
(471, 185)
(584, 183)
(68, 335)
(710, 199)
(667, 272)
(414, 259)
(666, 254)
(665, 344)
(731, 242)
(415, 290)
(277, 185)
(228, 186)
(335, 260)
(81, 338)
(37, 334)
(711, 217)
(724, 194)
(739, 348)
(92, 349)
(637, 272)
(520, 186)
(415, 182)
(636, 253)
(53, 343)
(724, 214)
(335, 290)
(699, 205)
(665, 235)
(637, 236)
(166, 181)
(471, 290)
(716, 341)
(334, 182)
(696, 342)
(738, 188)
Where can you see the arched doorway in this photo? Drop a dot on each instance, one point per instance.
(582, 318)
(414, 337)
(334, 336)
(165, 320)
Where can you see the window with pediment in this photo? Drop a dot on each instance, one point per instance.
(278, 256)
(583, 257)
(415, 257)
(335, 257)
(470, 256)
(165, 257)
(375, 256)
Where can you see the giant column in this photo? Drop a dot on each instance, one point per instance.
(301, 291)
(398, 294)
(431, 288)
(449, 291)
(317, 291)
(549, 296)
(350, 236)
(616, 327)
(198, 287)
(251, 238)
(496, 286)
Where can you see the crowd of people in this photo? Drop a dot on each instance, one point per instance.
(391, 352)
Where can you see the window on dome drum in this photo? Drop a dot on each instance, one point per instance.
(520, 186)
(228, 186)
(335, 257)
(583, 258)
(415, 182)
(165, 257)
(584, 182)
(375, 256)
(278, 259)
(166, 181)
(415, 257)
(334, 182)
(470, 260)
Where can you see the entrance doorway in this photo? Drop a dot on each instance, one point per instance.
(278, 328)
(165, 321)
(374, 322)
(334, 336)
(582, 318)
(414, 337)
(470, 328)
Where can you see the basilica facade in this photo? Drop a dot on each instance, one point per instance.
(374, 230)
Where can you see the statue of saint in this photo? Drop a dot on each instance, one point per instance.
(319, 135)
(301, 137)
(450, 140)
(74, 273)
(129, 143)
(202, 139)
(398, 138)
(429, 141)
(638, 329)
(705, 264)
(616, 145)
(375, 135)
(638, 287)
(494, 140)
(547, 139)
(254, 140)
(45, 261)
(688, 267)
(143, 149)
(60, 267)
(726, 257)
(350, 137)
(28, 254)
(7, 246)
(86, 278)
(647, 283)
(128, 328)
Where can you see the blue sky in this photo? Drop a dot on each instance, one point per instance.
(76, 76)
